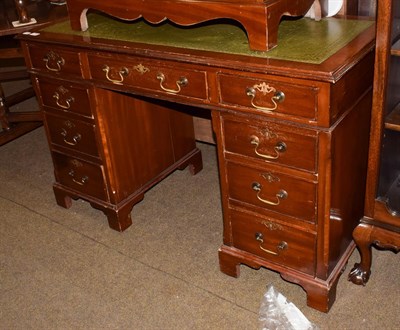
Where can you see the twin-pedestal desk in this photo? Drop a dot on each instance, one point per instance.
(291, 127)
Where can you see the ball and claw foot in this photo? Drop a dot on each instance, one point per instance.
(359, 276)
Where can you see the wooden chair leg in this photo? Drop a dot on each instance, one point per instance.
(5, 124)
(17, 131)
(14, 125)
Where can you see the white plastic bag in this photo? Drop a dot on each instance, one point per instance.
(277, 313)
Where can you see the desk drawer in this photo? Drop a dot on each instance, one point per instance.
(272, 190)
(85, 177)
(282, 144)
(54, 60)
(150, 75)
(274, 242)
(72, 134)
(268, 95)
(66, 97)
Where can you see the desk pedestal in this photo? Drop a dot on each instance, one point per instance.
(117, 151)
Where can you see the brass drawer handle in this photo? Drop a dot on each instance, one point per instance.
(265, 89)
(57, 59)
(68, 101)
(182, 82)
(282, 194)
(82, 181)
(279, 147)
(75, 139)
(122, 73)
(280, 247)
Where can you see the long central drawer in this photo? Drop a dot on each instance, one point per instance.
(149, 75)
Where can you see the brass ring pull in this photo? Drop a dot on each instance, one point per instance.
(68, 101)
(122, 73)
(277, 98)
(282, 194)
(280, 247)
(279, 147)
(75, 139)
(59, 63)
(182, 82)
(82, 181)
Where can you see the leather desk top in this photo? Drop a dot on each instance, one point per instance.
(299, 40)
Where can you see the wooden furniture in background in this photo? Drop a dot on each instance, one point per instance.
(116, 119)
(380, 226)
(15, 124)
(367, 7)
(359, 8)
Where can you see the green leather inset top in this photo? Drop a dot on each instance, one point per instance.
(301, 40)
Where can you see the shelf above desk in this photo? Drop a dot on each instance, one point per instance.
(260, 18)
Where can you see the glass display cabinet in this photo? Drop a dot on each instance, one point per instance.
(380, 226)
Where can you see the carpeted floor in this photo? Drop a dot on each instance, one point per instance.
(66, 269)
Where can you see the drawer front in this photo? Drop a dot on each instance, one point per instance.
(274, 191)
(79, 175)
(274, 242)
(269, 96)
(150, 75)
(54, 60)
(66, 97)
(72, 134)
(267, 141)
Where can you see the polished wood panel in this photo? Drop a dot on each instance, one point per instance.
(80, 175)
(274, 242)
(72, 134)
(63, 96)
(148, 75)
(270, 142)
(55, 60)
(269, 94)
(272, 190)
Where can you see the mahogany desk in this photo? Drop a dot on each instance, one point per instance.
(291, 127)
